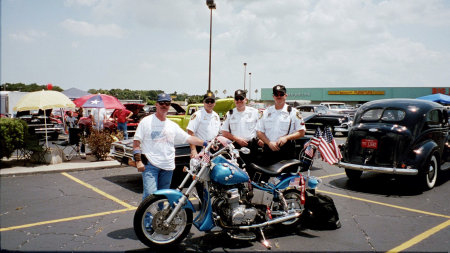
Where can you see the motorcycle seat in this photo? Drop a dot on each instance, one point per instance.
(276, 168)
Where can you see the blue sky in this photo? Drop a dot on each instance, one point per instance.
(160, 44)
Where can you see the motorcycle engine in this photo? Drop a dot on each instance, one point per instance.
(233, 211)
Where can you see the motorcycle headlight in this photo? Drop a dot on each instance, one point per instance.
(195, 162)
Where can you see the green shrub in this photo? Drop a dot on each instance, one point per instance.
(12, 135)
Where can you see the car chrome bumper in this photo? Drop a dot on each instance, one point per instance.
(340, 129)
(386, 170)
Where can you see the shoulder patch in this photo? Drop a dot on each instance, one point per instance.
(299, 115)
(260, 114)
(193, 116)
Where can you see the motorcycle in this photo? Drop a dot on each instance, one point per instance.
(227, 199)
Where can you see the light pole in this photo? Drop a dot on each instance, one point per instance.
(250, 86)
(211, 5)
(245, 72)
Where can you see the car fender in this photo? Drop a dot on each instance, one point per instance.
(177, 119)
(173, 196)
(423, 151)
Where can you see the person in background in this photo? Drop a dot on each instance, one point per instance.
(121, 116)
(99, 115)
(71, 121)
(279, 125)
(204, 123)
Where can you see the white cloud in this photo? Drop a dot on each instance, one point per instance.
(80, 2)
(301, 43)
(91, 30)
(27, 36)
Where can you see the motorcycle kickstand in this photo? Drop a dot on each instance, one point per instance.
(265, 242)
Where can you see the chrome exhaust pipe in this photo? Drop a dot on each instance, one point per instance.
(273, 221)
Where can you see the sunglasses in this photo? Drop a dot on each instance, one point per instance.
(166, 103)
(279, 94)
(210, 101)
(239, 98)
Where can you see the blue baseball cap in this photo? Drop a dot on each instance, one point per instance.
(163, 97)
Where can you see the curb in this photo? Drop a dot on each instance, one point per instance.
(61, 167)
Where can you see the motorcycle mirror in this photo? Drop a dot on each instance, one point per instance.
(245, 150)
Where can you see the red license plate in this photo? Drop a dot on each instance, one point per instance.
(366, 143)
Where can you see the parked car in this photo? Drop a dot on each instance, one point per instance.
(339, 108)
(182, 116)
(320, 116)
(36, 120)
(400, 137)
(138, 113)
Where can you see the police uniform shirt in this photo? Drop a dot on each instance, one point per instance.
(204, 125)
(242, 124)
(275, 123)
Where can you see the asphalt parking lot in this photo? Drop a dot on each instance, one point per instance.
(93, 210)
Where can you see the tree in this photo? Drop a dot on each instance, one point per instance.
(27, 87)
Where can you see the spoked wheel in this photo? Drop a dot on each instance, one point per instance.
(293, 198)
(429, 173)
(149, 223)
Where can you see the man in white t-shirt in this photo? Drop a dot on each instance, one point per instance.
(99, 115)
(153, 147)
(204, 123)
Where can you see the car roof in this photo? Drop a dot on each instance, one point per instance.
(404, 103)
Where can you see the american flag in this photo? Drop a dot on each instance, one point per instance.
(329, 138)
(316, 139)
(328, 148)
(205, 157)
(313, 143)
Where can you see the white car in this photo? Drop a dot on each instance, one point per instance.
(338, 107)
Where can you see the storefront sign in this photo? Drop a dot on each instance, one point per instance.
(355, 92)
(441, 90)
(299, 94)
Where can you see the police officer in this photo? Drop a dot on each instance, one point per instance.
(240, 122)
(204, 123)
(280, 124)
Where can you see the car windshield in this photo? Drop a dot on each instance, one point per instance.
(337, 106)
(321, 110)
(389, 115)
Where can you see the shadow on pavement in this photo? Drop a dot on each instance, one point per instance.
(384, 184)
(127, 233)
(221, 241)
(132, 182)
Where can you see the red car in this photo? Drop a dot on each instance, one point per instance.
(138, 113)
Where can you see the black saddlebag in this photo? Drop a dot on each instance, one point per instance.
(320, 212)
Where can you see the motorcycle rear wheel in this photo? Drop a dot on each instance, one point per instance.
(157, 235)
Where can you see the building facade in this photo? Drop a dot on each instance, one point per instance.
(353, 95)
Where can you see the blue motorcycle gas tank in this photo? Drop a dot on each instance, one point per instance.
(227, 173)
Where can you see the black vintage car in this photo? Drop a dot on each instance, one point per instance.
(398, 136)
(320, 116)
(37, 120)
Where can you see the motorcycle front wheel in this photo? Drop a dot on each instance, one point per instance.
(149, 223)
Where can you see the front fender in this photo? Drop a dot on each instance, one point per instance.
(173, 196)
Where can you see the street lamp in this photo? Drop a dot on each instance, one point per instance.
(245, 72)
(211, 5)
(250, 86)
